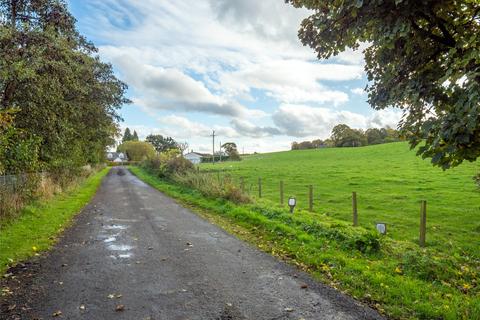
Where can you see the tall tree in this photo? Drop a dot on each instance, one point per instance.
(135, 136)
(161, 143)
(344, 136)
(231, 150)
(65, 96)
(127, 135)
(422, 56)
(182, 146)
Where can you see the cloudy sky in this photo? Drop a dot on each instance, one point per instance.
(233, 66)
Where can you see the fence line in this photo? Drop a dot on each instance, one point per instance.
(13, 181)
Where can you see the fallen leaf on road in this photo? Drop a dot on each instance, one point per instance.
(288, 309)
(120, 307)
(82, 307)
(189, 244)
(304, 286)
(57, 313)
(118, 296)
(111, 296)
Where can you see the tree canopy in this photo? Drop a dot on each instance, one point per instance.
(161, 143)
(231, 150)
(65, 99)
(137, 150)
(422, 56)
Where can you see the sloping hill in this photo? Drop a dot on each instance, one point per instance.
(390, 181)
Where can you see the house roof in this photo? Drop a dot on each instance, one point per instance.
(199, 154)
(115, 155)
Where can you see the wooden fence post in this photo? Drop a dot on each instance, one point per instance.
(281, 192)
(310, 198)
(259, 187)
(423, 223)
(242, 184)
(354, 207)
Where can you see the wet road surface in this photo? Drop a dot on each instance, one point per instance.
(136, 250)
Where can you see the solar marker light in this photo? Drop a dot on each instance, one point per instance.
(292, 202)
(381, 227)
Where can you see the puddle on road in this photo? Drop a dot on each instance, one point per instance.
(120, 247)
(138, 182)
(110, 239)
(115, 227)
(113, 235)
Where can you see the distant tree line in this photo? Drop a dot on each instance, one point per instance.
(156, 144)
(137, 150)
(58, 101)
(344, 136)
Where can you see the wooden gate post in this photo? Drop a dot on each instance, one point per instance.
(259, 187)
(281, 192)
(423, 223)
(310, 198)
(354, 209)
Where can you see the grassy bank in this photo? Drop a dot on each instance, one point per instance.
(395, 277)
(390, 180)
(39, 223)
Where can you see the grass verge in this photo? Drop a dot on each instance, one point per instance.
(395, 277)
(39, 223)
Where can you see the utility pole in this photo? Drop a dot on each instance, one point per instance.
(213, 147)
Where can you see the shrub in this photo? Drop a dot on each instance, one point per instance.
(137, 150)
(178, 165)
(212, 187)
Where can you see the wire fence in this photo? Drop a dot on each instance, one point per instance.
(13, 182)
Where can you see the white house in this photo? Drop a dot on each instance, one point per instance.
(117, 156)
(195, 157)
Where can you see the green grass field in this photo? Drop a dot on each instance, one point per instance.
(39, 223)
(390, 181)
(398, 278)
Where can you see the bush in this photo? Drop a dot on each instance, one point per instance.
(137, 150)
(178, 165)
(212, 187)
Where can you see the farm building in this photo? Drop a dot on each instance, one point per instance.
(195, 157)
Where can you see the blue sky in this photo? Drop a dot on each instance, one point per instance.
(233, 66)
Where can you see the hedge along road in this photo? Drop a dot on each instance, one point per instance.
(134, 253)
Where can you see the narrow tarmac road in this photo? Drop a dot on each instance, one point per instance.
(134, 247)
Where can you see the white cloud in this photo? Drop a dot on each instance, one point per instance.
(169, 88)
(303, 121)
(358, 91)
(385, 118)
(215, 57)
(291, 81)
(246, 128)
